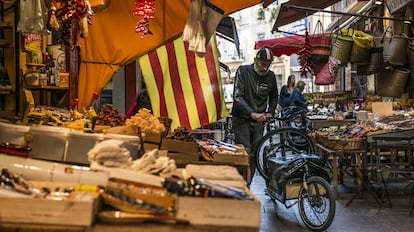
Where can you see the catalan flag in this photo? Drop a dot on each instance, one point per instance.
(184, 87)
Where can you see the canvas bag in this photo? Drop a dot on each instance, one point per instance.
(325, 74)
(321, 45)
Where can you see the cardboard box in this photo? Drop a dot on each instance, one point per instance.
(219, 211)
(79, 211)
(175, 145)
(79, 144)
(48, 143)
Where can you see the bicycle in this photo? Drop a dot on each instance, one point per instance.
(285, 158)
(283, 140)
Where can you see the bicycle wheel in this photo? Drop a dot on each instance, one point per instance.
(283, 142)
(316, 204)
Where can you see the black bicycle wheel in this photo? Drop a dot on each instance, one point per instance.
(284, 142)
(316, 204)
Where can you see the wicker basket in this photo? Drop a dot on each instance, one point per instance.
(345, 144)
(333, 143)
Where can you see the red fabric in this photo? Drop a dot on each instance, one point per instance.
(285, 45)
(282, 46)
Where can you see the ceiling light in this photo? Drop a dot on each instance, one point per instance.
(378, 2)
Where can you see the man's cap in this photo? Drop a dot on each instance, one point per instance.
(264, 54)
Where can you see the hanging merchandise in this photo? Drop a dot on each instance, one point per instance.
(361, 50)
(341, 47)
(376, 61)
(53, 23)
(395, 47)
(321, 45)
(304, 57)
(69, 19)
(325, 74)
(144, 8)
(392, 81)
(201, 24)
(33, 17)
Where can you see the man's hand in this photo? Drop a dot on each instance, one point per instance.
(260, 117)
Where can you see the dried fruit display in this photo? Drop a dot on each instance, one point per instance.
(109, 116)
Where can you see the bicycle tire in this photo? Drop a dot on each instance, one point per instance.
(267, 148)
(314, 200)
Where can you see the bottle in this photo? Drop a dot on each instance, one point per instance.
(95, 103)
(52, 71)
(75, 115)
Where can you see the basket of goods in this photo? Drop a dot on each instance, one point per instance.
(344, 138)
(340, 143)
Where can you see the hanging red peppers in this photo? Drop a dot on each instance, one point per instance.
(144, 8)
(304, 56)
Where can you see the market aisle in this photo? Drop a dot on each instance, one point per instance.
(361, 215)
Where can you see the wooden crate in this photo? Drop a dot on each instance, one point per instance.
(152, 138)
(79, 211)
(219, 211)
(242, 159)
(175, 145)
(180, 157)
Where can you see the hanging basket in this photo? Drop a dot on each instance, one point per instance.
(361, 49)
(391, 82)
(376, 62)
(341, 48)
(394, 47)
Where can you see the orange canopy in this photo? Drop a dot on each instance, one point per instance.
(112, 41)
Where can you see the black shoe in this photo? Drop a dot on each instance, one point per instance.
(266, 192)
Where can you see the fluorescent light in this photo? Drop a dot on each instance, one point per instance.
(378, 2)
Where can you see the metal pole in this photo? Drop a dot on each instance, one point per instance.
(306, 9)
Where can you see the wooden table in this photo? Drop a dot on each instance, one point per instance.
(335, 154)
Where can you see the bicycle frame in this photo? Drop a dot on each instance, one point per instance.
(299, 172)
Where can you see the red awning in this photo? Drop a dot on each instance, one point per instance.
(282, 46)
(285, 45)
(289, 14)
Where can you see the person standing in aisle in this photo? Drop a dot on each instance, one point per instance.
(297, 96)
(285, 91)
(255, 97)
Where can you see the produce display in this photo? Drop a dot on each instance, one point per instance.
(109, 116)
(146, 122)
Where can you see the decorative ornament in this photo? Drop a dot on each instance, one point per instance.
(144, 8)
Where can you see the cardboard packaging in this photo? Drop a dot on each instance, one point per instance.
(78, 211)
(219, 211)
(48, 143)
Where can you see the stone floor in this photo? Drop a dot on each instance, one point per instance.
(359, 216)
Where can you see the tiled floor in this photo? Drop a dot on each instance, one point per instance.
(360, 216)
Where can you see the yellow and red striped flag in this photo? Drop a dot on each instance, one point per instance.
(184, 87)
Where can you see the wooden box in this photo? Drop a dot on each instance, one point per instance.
(236, 159)
(219, 211)
(180, 157)
(152, 138)
(79, 211)
(175, 145)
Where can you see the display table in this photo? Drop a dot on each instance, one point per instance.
(355, 156)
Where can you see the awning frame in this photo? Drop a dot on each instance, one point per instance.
(314, 10)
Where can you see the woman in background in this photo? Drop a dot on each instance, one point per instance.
(286, 91)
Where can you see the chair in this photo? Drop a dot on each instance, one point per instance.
(399, 167)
